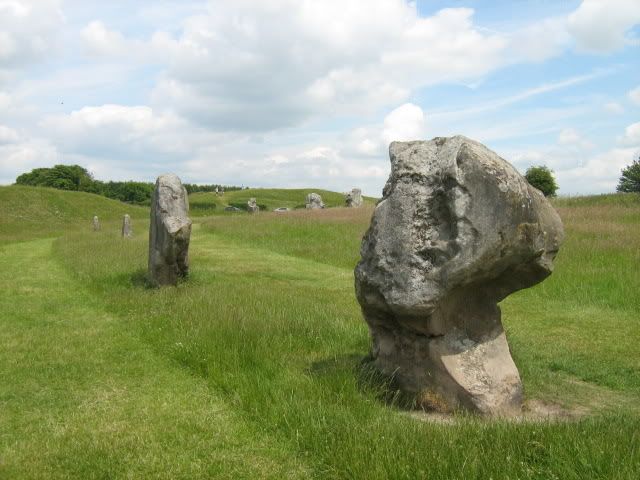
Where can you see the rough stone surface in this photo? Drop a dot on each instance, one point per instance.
(96, 223)
(353, 199)
(457, 230)
(252, 206)
(170, 232)
(127, 230)
(314, 201)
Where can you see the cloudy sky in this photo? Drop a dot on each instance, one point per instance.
(295, 93)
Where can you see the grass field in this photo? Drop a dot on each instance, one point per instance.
(250, 369)
(204, 203)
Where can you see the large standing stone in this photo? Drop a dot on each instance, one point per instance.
(96, 223)
(170, 232)
(314, 201)
(457, 230)
(127, 230)
(353, 199)
(252, 206)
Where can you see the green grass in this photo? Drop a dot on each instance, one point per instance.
(250, 369)
(38, 212)
(610, 199)
(205, 203)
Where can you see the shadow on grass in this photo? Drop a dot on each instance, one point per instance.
(139, 279)
(369, 380)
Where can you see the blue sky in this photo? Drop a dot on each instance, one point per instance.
(293, 93)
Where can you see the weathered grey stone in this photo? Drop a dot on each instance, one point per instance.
(170, 232)
(95, 223)
(127, 230)
(353, 199)
(314, 201)
(252, 206)
(457, 230)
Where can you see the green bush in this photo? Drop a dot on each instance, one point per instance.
(542, 178)
(630, 178)
(77, 178)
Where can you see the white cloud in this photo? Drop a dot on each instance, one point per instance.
(110, 130)
(101, 41)
(634, 96)
(598, 174)
(631, 135)
(8, 135)
(28, 31)
(541, 40)
(578, 171)
(498, 103)
(613, 108)
(569, 137)
(22, 156)
(601, 26)
(404, 123)
(235, 66)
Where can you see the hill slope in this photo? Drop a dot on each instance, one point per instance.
(204, 203)
(37, 212)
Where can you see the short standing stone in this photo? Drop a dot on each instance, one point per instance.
(169, 232)
(458, 229)
(127, 230)
(96, 223)
(353, 199)
(314, 201)
(252, 206)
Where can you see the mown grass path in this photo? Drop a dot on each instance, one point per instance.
(82, 397)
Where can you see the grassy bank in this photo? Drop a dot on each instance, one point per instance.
(39, 212)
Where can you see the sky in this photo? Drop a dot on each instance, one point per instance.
(309, 93)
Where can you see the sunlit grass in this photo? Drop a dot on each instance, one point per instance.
(267, 329)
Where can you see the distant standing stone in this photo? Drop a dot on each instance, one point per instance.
(353, 199)
(252, 206)
(458, 229)
(127, 231)
(314, 201)
(96, 223)
(170, 232)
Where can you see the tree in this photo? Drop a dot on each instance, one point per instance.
(630, 178)
(63, 177)
(542, 178)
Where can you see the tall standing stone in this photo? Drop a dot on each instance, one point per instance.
(314, 201)
(252, 206)
(169, 232)
(353, 199)
(458, 229)
(127, 230)
(96, 223)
